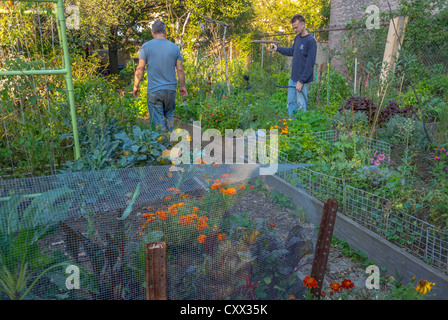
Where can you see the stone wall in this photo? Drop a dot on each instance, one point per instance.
(345, 10)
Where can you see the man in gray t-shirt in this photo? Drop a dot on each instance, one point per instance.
(163, 59)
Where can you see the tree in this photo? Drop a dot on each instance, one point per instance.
(115, 22)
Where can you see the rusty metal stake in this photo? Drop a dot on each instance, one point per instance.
(156, 271)
(322, 251)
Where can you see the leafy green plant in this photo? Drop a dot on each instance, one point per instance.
(23, 224)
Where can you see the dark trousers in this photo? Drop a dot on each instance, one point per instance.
(161, 105)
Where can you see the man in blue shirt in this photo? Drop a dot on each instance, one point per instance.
(303, 52)
(163, 59)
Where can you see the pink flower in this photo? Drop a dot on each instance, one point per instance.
(443, 150)
(223, 97)
(216, 120)
(381, 157)
(230, 116)
(374, 155)
(376, 162)
(436, 158)
(371, 160)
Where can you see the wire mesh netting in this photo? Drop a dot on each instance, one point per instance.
(223, 240)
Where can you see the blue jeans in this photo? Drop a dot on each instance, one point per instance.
(296, 101)
(161, 105)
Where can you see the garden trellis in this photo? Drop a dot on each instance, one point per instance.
(29, 53)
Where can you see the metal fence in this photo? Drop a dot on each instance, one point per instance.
(374, 212)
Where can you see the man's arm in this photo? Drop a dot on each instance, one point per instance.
(283, 50)
(138, 76)
(310, 61)
(181, 76)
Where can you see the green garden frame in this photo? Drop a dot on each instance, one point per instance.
(65, 70)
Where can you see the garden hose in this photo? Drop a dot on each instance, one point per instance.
(279, 86)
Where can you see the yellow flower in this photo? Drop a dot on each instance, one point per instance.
(424, 286)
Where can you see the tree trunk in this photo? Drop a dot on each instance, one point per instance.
(113, 58)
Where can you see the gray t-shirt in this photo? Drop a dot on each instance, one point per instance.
(161, 56)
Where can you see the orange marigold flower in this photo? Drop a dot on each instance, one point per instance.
(230, 191)
(216, 185)
(201, 225)
(201, 238)
(168, 198)
(252, 187)
(272, 224)
(182, 194)
(195, 209)
(222, 190)
(215, 228)
(181, 204)
(310, 282)
(172, 210)
(291, 297)
(161, 214)
(221, 237)
(335, 287)
(184, 221)
(176, 191)
(242, 187)
(171, 189)
(347, 284)
(216, 164)
(203, 218)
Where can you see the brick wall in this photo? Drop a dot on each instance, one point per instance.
(345, 10)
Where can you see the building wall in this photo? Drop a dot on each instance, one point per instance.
(346, 10)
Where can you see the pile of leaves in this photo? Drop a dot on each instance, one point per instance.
(367, 106)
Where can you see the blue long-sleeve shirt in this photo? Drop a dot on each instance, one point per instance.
(303, 52)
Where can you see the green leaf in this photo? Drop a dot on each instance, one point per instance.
(131, 203)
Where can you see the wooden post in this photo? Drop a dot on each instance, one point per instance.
(393, 44)
(322, 251)
(156, 271)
